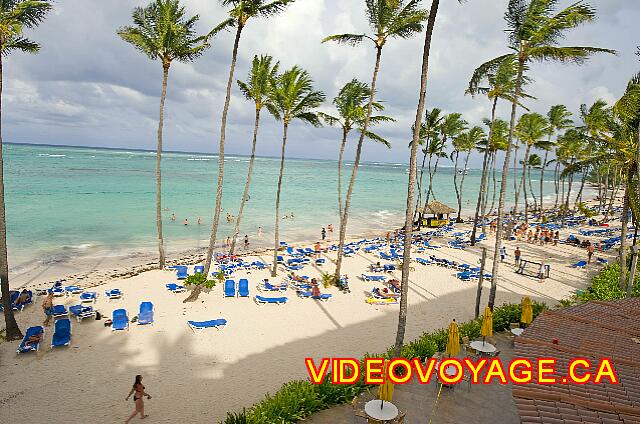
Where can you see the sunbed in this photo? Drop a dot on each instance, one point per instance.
(267, 286)
(320, 261)
(88, 297)
(307, 295)
(31, 347)
(366, 277)
(230, 288)
(261, 300)
(62, 333)
(181, 273)
(200, 326)
(81, 312)
(73, 289)
(174, 288)
(59, 311)
(580, 264)
(198, 269)
(120, 320)
(145, 316)
(113, 294)
(243, 287)
(375, 301)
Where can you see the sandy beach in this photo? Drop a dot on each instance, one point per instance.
(198, 378)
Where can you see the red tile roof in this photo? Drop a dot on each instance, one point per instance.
(592, 330)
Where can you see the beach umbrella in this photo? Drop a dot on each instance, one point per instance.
(527, 311)
(453, 340)
(487, 324)
(385, 391)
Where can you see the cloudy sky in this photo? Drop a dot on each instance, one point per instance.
(87, 87)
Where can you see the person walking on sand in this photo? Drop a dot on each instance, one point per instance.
(503, 253)
(590, 249)
(516, 255)
(388, 238)
(47, 307)
(138, 393)
(323, 233)
(330, 228)
(246, 242)
(541, 272)
(228, 242)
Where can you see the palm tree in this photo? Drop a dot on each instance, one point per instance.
(531, 130)
(559, 119)
(500, 85)
(451, 126)
(428, 131)
(163, 32)
(411, 189)
(292, 97)
(256, 89)
(534, 162)
(465, 142)
(351, 106)
(239, 15)
(15, 16)
(498, 142)
(534, 32)
(388, 19)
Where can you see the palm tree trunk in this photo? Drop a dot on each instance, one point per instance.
(484, 176)
(623, 240)
(493, 190)
(345, 213)
(569, 186)
(524, 185)
(556, 180)
(466, 162)
(408, 224)
(544, 166)
(516, 182)
(223, 129)
(424, 158)
(11, 326)
(455, 185)
(274, 269)
(531, 190)
(245, 195)
(426, 200)
(345, 134)
(503, 188)
(582, 182)
(163, 96)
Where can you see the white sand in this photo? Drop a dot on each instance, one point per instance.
(197, 378)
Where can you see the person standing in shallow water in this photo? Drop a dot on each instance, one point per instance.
(138, 393)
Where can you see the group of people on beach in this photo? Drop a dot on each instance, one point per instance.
(541, 235)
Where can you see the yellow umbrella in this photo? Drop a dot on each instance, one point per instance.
(453, 341)
(487, 323)
(385, 391)
(527, 310)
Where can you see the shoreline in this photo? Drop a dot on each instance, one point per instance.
(94, 271)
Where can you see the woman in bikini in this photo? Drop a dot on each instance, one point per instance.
(138, 392)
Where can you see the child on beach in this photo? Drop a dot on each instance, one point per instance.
(47, 307)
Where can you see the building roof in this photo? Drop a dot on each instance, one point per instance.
(593, 330)
(438, 208)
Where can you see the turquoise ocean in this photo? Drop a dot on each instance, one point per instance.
(66, 201)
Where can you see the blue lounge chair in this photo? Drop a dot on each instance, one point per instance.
(259, 265)
(280, 259)
(307, 295)
(146, 313)
(379, 278)
(580, 264)
(73, 290)
(174, 288)
(31, 347)
(267, 286)
(120, 320)
(59, 311)
(230, 288)
(113, 294)
(320, 261)
(181, 273)
(602, 261)
(81, 312)
(199, 326)
(389, 267)
(243, 287)
(261, 300)
(62, 333)
(57, 290)
(295, 267)
(198, 269)
(88, 297)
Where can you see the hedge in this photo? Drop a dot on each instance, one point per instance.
(298, 399)
(606, 286)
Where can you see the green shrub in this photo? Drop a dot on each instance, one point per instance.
(605, 285)
(294, 401)
(200, 279)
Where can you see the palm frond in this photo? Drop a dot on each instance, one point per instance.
(225, 25)
(350, 39)
(573, 54)
(19, 44)
(375, 137)
(329, 119)
(273, 8)
(482, 72)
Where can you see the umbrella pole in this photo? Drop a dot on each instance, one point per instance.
(382, 404)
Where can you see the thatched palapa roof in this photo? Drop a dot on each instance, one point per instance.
(438, 208)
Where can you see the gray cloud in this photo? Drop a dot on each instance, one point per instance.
(88, 87)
